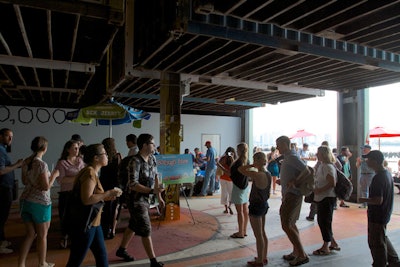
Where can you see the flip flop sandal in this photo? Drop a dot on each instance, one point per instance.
(235, 235)
(320, 252)
(265, 262)
(335, 248)
(299, 261)
(288, 257)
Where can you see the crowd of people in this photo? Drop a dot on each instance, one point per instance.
(90, 179)
(283, 166)
(93, 178)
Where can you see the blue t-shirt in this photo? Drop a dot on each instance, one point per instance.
(6, 180)
(381, 186)
(211, 155)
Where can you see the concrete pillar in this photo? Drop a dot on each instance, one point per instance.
(353, 126)
(247, 131)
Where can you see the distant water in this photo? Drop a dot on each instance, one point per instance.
(391, 153)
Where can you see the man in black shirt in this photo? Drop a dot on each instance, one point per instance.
(380, 206)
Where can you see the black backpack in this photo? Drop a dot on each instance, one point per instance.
(344, 187)
(123, 172)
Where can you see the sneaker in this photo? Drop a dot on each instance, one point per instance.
(122, 253)
(47, 264)
(156, 264)
(64, 242)
(4, 250)
(5, 243)
(308, 218)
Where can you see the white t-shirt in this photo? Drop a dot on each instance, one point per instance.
(320, 180)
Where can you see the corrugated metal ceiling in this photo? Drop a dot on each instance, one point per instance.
(233, 55)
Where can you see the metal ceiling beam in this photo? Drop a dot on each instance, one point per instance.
(190, 99)
(299, 42)
(226, 81)
(47, 64)
(44, 89)
(112, 12)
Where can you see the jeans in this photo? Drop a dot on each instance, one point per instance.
(62, 204)
(6, 198)
(80, 244)
(209, 178)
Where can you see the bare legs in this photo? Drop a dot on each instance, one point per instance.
(292, 232)
(33, 231)
(148, 246)
(243, 218)
(274, 184)
(258, 225)
(146, 241)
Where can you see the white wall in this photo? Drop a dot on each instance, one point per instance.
(27, 123)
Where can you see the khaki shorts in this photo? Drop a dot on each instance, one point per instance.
(290, 208)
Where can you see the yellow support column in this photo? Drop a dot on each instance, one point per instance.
(170, 124)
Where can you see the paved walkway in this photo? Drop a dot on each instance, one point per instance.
(350, 228)
(214, 247)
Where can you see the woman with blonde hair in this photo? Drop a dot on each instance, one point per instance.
(258, 207)
(240, 190)
(325, 197)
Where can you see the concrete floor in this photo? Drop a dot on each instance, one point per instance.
(216, 248)
(350, 229)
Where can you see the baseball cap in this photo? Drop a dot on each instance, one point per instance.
(208, 143)
(365, 146)
(375, 155)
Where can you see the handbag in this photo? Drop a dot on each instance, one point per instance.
(79, 217)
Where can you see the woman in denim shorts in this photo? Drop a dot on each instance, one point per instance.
(35, 202)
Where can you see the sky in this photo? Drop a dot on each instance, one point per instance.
(384, 105)
(318, 115)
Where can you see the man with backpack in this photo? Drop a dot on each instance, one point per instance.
(291, 168)
(143, 182)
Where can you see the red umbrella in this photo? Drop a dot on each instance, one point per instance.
(301, 134)
(379, 132)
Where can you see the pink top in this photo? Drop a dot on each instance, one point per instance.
(68, 171)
